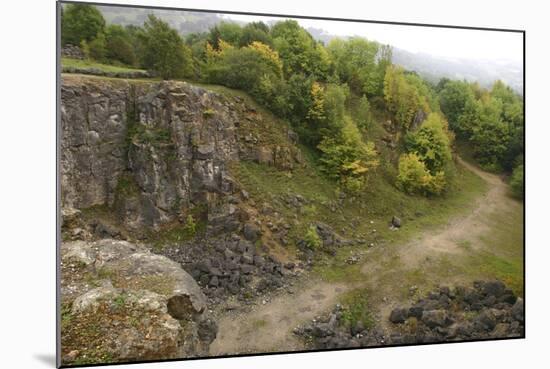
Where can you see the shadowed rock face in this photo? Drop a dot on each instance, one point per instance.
(148, 150)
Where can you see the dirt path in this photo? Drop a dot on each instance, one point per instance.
(268, 327)
(466, 228)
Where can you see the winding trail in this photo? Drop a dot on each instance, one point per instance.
(268, 327)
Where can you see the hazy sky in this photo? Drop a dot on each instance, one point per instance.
(455, 43)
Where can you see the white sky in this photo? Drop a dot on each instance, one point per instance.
(446, 42)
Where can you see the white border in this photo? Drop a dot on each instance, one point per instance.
(27, 184)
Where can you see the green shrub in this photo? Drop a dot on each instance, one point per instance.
(164, 51)
(98, 47)
(431, 143)
(346, 158)
(80, 22)
(356, 309)
(190, 225)
(414, 177)
(516, 182)
(312, 239)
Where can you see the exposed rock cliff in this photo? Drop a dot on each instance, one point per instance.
(152, 151)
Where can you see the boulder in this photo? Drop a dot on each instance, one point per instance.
(396, 222)
(398, 315)
(435, 318)
(518, 312)
(493, 288)
(251, 232)
(144, 306)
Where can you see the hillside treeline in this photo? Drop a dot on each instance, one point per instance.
(311, 85)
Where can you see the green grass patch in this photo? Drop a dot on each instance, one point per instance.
(89, 64)
(356, 310)
(377, 205)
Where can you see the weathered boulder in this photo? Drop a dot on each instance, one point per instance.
(435, 318)
(143, 306)
(251, 232)
(398, 315)
(396, 222)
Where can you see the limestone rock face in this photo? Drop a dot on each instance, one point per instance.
(148, 150)
(144, 306)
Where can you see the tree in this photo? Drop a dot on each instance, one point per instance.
(255, 31)
(346, 158)
(226, 31)
(492, 135)
(363, 112)
(164, 50)
(299, 51)
(414, 178)
(316, 111)
(244, 68)
(402, 98)
(119, 45)
(98, 47)
(453, 99)
(360, 63)
(79, 23)
(431, 144)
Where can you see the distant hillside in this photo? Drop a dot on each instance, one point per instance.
(483, 71)
(184, 22)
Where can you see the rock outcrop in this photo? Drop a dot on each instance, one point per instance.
(151, 152)
(122, 303)
(488, 310)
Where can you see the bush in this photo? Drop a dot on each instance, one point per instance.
(431, 143)
(516, 182)
(97, 48)
(119, 45)
(242, 68)
(190, 225)
(164, 50)
(415, 178)
(79, 23)
(347, 158)
(312, 239)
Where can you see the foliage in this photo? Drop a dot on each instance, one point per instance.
(454, 98)
(431, 143)
(164, 50)
(119, 45)
(255, 31)
(415, 178)
(356, 309)
(97, 48)
(79, 23)
(346, 158)
(364, 113)
(316, 111)
(190, 225)
(312, 239)
(298, 50)
(516, 182)
(360, 63)
(492, 120)
(244, 68)
(226, 31)
(402, 99)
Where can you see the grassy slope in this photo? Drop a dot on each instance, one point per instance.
(367, 216)
(88, 64)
